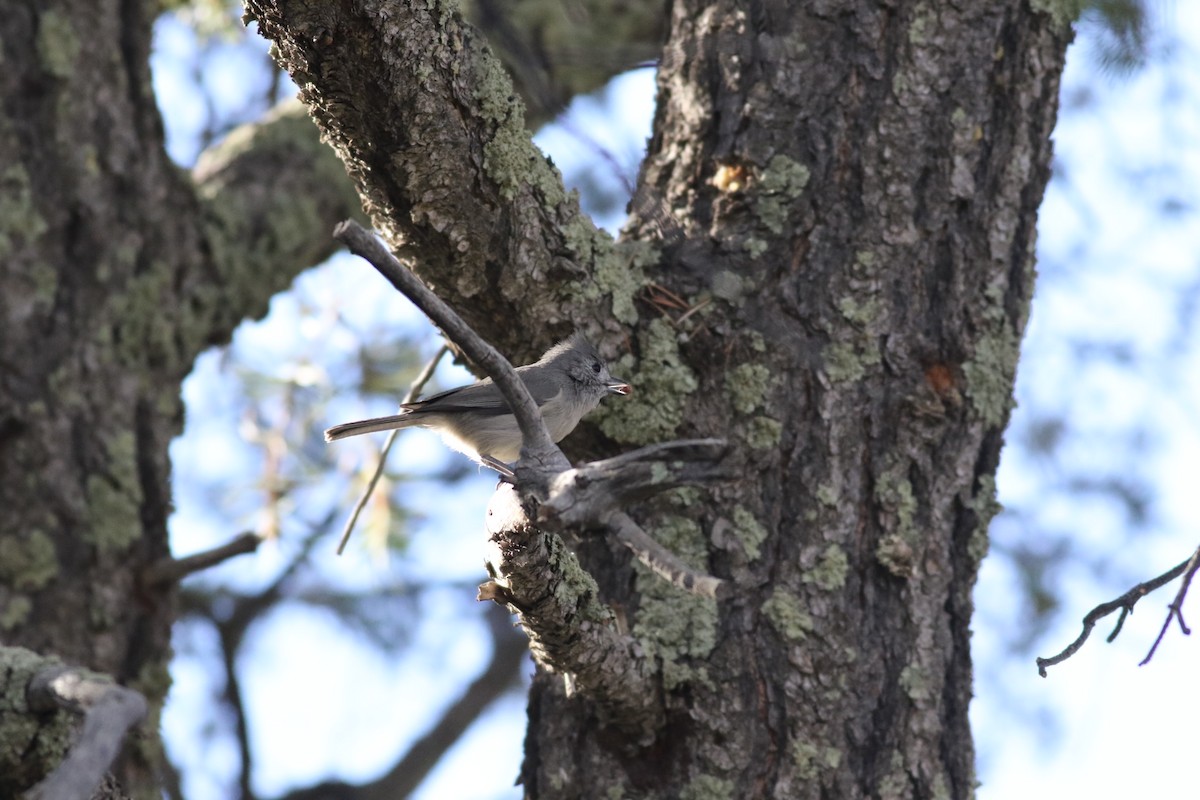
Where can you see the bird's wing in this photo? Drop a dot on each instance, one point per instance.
(483, 398)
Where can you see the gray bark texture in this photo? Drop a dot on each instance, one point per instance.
(841, 195)
(844, 198)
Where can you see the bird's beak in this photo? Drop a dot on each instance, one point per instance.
(617, 387)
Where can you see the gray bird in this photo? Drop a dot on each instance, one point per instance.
(566, 383)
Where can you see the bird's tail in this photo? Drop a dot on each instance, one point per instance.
(368, 426)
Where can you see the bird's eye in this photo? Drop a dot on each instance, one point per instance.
(596, 367)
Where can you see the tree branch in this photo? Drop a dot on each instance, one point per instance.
(1175, 609)
(1125, 604)
(571, 631)
(554, 54)
(108, 710)
(173, 570)
(426, 121)
(593, 494)
(257, 236)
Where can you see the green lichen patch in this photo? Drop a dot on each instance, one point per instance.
(14, 611)
(27, 562)
(860, 311)
(986, 507)
(620, 271)
(895, 784)
(728, 285)
(896, 555)
(508, 159)
(830, 571)
(763, 433)
(661, 382)
(21, 222)
(811, 758)
(749, 531)
(915, 683)
(498, 103)
(30, 745)
(672, 624)
(846, 362)
(114, 499)
(57, 44)
(894, 493)
(827, 495)
(747, 386)
(754, 246)
(788, 616)
(990, 373)
(779, 184)
(707, 787)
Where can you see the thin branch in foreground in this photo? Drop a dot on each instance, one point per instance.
(173, 570)
(538, 446)
(662, 562)
(413, 391)
(109, 711)
(409, 772)
(1175, 609)
(1125, 604)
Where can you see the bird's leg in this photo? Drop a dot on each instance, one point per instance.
(506, 473)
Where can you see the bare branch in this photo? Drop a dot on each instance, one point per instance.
(537, 443)
(173, 570)
(586, 495)
(592, 494)
(411, 395)
(501, 673)
(108, 710)
(1124, 604)
(1176, 607)
(662, 562)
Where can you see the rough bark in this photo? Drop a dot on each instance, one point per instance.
(857, 187)
(873, 271)
(116, 270)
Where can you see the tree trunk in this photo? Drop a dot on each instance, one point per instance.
(115, 272)
(859, 189)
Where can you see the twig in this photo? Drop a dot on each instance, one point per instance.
(109, 711)
(1175, 609)
(663, 562)
(413, 391)
(1125, 604)
(537, 444)
(173, 570)
(409, 772)
(584, 496)
(591, 494)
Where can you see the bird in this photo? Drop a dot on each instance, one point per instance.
(567, 382)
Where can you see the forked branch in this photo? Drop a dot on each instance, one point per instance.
(1125, 604)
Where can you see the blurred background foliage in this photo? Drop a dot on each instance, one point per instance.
(295, 666)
